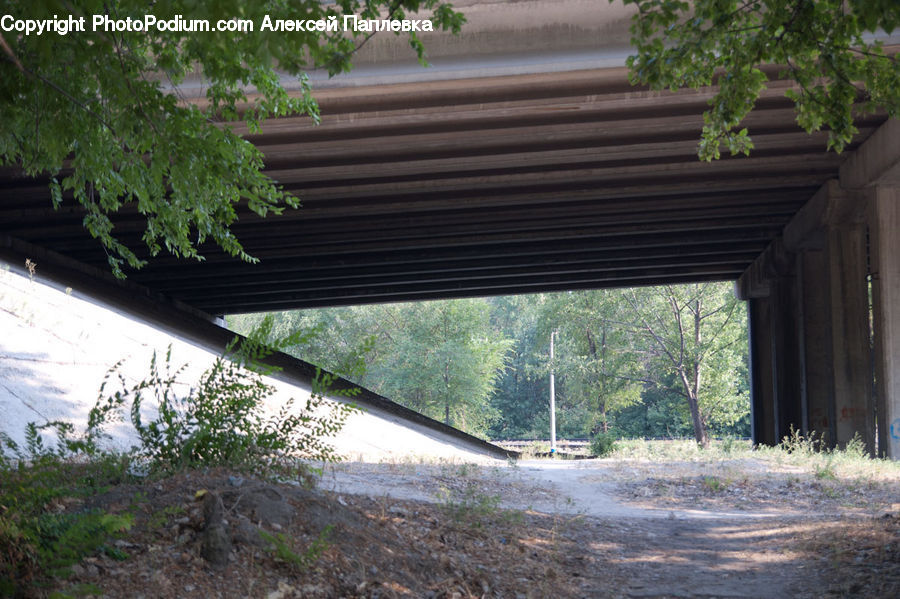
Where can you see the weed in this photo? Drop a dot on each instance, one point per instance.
(603, 444)
(465, 469)
(714, 484)
(535, 448)
(855, 449)
(830, 492)
(632, 448)
(30, 266)
(804, 446)
(281, 549)
(474, 508)
(825, 471)
(162, 517)
(673, 449)
(728, 445)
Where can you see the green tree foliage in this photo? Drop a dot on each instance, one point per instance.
(693, 333)
(440, 358)
(662, 412)
(341, 340)
(522, 393)
(598, 366)
(100, 113)
(444, 362)
(483, 365)
(821, 45)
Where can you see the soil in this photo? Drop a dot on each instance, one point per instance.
(538, 529)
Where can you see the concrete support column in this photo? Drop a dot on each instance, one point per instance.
(762, 402)
(770, 286)
(817, 385)
(786, 361)
(884, 223)
(846, 254)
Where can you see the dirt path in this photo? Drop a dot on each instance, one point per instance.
(618, 543)
(616, 530)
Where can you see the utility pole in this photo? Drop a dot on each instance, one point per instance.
(552, 399)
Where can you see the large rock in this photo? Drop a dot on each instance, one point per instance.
(216, 541)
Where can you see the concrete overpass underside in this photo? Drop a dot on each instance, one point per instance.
(483, 186)
(481, 181)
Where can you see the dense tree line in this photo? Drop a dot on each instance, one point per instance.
(665, 361)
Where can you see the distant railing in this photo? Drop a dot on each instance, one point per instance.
(579, 445)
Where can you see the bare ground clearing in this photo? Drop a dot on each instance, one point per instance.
(617, 528)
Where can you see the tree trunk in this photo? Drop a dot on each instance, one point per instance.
(690, 374)
(604, 388)
(700, 432)
(446, 377)
(605, 419)
(602, 392)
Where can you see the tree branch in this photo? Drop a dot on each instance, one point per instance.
(12, 56)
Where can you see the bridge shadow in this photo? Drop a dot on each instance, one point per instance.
(761, 558)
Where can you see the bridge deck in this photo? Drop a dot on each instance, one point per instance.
(522, 161)
(483, 186)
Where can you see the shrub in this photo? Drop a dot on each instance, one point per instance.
(222, 420)
(603, 444)
(472, 507)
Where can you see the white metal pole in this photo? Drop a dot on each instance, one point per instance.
(552, 399)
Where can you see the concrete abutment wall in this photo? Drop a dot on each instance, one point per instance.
(824, 301)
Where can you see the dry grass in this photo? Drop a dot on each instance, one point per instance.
(861, 557)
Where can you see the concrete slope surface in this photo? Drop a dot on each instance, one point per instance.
(57, 346)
